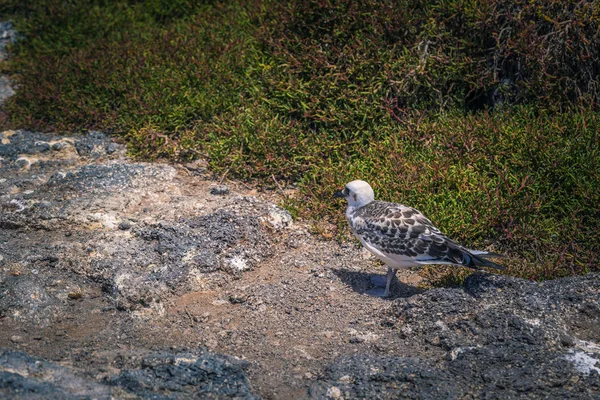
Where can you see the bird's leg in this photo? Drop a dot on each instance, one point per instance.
(390, 275)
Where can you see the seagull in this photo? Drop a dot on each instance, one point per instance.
(401, 236)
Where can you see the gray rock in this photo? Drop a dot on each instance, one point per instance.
(202, 375)
(26, 377)
(24, 298)
(100, 178)
(219, 190)
(369, 377)
(198, 166)
(22, 163)
(7, 36)
(279, 218)
(124, 225)
(207, 261)
(6, 89)
(58, 146)
(212, 239)
(42, 146)
(95, 144)
(21, 142)
(72, 197)
(16, 339)
(111, 148)
(500, 337)
(161, 375)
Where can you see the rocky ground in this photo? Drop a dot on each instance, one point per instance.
(121, 279)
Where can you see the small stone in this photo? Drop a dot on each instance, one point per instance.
(220, 189)
(124, 225)
(280, 218)
(15, 270)
(18, 204)
(93, 217)
(111, 148)
(76, 294)
(237, 299)
(6, 89)
(42, 146)
(566, 340)
(7, 35)
(334, 392)
(58, 146)
(197, 165)
(22, 163)
(16, 339)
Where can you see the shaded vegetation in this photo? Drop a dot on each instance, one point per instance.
(483, 115)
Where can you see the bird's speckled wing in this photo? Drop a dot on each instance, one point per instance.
(395, 229)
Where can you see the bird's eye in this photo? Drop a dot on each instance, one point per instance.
(346, 191)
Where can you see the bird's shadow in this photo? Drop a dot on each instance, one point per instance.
(361, 282)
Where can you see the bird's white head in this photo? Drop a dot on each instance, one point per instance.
(357, 193)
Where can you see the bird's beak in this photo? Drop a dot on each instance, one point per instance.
(339, 194)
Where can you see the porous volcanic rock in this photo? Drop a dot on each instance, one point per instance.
(163, 375)
(496, 338)
(88, 205)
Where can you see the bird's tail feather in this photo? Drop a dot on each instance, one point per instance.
(485, 254)
(480, 260)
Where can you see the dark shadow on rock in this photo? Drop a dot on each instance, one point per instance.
(361, 282)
